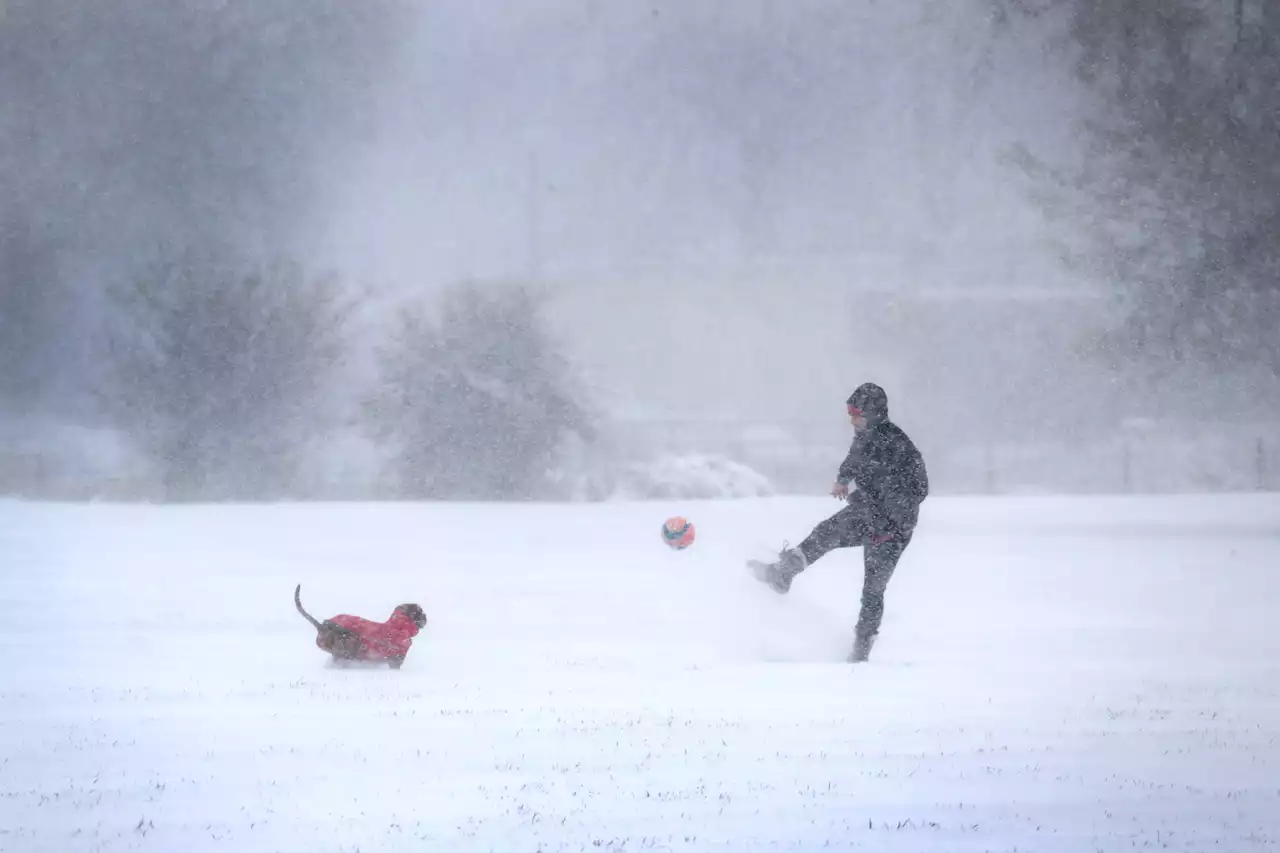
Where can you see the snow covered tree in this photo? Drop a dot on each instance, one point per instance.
(220, 375)
(131, 124)
(475, 396)
(1181, 182)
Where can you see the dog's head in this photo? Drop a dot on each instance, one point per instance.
(415, 613)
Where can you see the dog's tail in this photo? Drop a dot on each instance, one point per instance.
(297, 600)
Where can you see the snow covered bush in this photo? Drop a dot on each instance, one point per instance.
(475, 398)
(48, 459)
(689, 477)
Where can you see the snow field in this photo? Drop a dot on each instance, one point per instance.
(1056, 674)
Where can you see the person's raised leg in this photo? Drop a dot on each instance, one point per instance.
(845, 529)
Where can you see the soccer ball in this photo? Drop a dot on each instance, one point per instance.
(678, 533)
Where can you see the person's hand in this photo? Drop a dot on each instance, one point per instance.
(839, 490)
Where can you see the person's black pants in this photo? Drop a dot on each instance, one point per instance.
(848, 528)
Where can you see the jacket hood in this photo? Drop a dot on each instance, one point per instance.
(872, 400)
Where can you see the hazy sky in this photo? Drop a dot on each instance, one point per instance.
(708, 183)
(711, 188)
(743, 208)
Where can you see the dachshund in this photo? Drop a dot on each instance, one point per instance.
(352, 638)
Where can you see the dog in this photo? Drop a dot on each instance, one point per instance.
(351, 638)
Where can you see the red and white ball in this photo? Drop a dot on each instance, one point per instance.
(678, 533)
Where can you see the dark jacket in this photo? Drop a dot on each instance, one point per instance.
(887, 469)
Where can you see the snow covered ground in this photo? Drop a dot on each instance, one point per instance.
(1054, 674)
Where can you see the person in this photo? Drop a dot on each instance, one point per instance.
(880, 515)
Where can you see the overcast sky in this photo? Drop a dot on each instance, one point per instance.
(710, 188)
(672, 166)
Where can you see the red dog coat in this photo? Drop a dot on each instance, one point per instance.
(380, 640)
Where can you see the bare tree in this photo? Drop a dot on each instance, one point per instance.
(221, 376)
(28, 312)
(1182, 178)
(131, 124)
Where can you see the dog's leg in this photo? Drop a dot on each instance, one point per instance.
(396, 661)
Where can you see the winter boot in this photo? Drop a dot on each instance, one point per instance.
(779, 574)
(862, 644)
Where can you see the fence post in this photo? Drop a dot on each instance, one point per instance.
(1260, 458)
(1127, 465)
(990, 473)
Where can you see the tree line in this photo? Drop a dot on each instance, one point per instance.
(227, 383)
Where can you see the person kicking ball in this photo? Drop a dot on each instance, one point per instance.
(880, 515)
